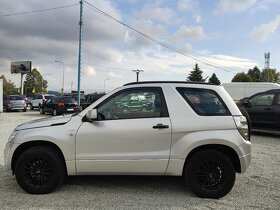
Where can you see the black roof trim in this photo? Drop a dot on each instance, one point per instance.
(177, 82)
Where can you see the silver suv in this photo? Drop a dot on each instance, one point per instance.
(191, 130)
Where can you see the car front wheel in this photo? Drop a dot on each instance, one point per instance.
(39, 170)
(210, 174)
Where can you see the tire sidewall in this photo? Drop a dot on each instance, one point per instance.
(228, 174)
(53, 159)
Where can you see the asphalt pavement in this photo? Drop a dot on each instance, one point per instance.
(257, 188)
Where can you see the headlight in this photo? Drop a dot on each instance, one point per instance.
(12, 136)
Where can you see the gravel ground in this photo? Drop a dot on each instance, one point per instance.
(258, 188)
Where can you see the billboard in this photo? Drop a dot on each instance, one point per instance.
(23, 67)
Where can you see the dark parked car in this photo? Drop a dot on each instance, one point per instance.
(90, 98)
(14, 102)
(57, 106)
(264, 109)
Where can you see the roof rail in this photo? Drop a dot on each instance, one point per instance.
(177, 82)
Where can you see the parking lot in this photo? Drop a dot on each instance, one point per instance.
(258, 188)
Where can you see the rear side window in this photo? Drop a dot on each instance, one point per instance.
(204, 101)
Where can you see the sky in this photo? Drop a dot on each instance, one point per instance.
(223, 36)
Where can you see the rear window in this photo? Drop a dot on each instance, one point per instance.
(204, 101)
(48, 97)
(16, 98)
(67, 100)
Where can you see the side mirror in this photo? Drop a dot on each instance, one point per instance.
(247, 103)
(92, 114)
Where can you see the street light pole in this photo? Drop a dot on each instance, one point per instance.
(104, 83)
(137, 71)
(62, 89)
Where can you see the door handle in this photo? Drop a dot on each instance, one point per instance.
(160, 126)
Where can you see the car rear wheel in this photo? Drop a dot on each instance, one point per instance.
(39, 170)
(210, 174)
(42, 111)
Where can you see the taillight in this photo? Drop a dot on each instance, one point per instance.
(242, 126)
(60, 104)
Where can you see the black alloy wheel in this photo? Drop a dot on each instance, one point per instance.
(210, 174)
(39, 170)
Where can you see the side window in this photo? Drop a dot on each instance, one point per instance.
(204, 101)
(134, 103)
(264, 99)
(40, 97)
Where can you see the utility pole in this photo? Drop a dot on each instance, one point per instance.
(137, 71)
(80, 53)
(266, 65)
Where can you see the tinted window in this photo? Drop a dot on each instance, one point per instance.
(265, 99)
(16, 98)
(130, 104)
(204, 102)
(67, 100)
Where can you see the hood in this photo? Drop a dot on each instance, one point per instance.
(45, 122)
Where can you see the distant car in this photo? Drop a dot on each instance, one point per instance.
(14, 102)
(58, 106)
(39, 99)
(29, 99)
(90, 98)
(263, 109)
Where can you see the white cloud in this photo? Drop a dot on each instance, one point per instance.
(90, 71)
(197, 18)
(233, 6)
(115, 75)
(187, 5)
(157, 14)
(262, 32)
(192, 32)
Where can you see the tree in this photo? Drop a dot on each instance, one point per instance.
(241, 77)
(214, 80)
(270, 75)
(195, 75)
(8, 86)
(34, 83)
(255, 74)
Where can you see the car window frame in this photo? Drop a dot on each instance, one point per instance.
(263, 93)
(164, 110)
(195, 109)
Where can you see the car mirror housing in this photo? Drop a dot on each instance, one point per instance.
(92, 114)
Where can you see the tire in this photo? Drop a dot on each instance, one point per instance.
(31, 107)
(24, 110)
(54, 112)
(144, 109)
(39, 106)
(210, 174)
(39, 170)
(42, 111)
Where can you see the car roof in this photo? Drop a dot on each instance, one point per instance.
(168, 82)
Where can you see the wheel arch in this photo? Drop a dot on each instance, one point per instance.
(27, 145)
(226, 150)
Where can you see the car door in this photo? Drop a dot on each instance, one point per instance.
(125, 142)
(262, 110)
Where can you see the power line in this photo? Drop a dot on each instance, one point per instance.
(170, 47)
(38, 11)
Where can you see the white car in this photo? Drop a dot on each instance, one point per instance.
(39, 99)
(192, 130)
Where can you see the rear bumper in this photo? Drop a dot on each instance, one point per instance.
(245, 158)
